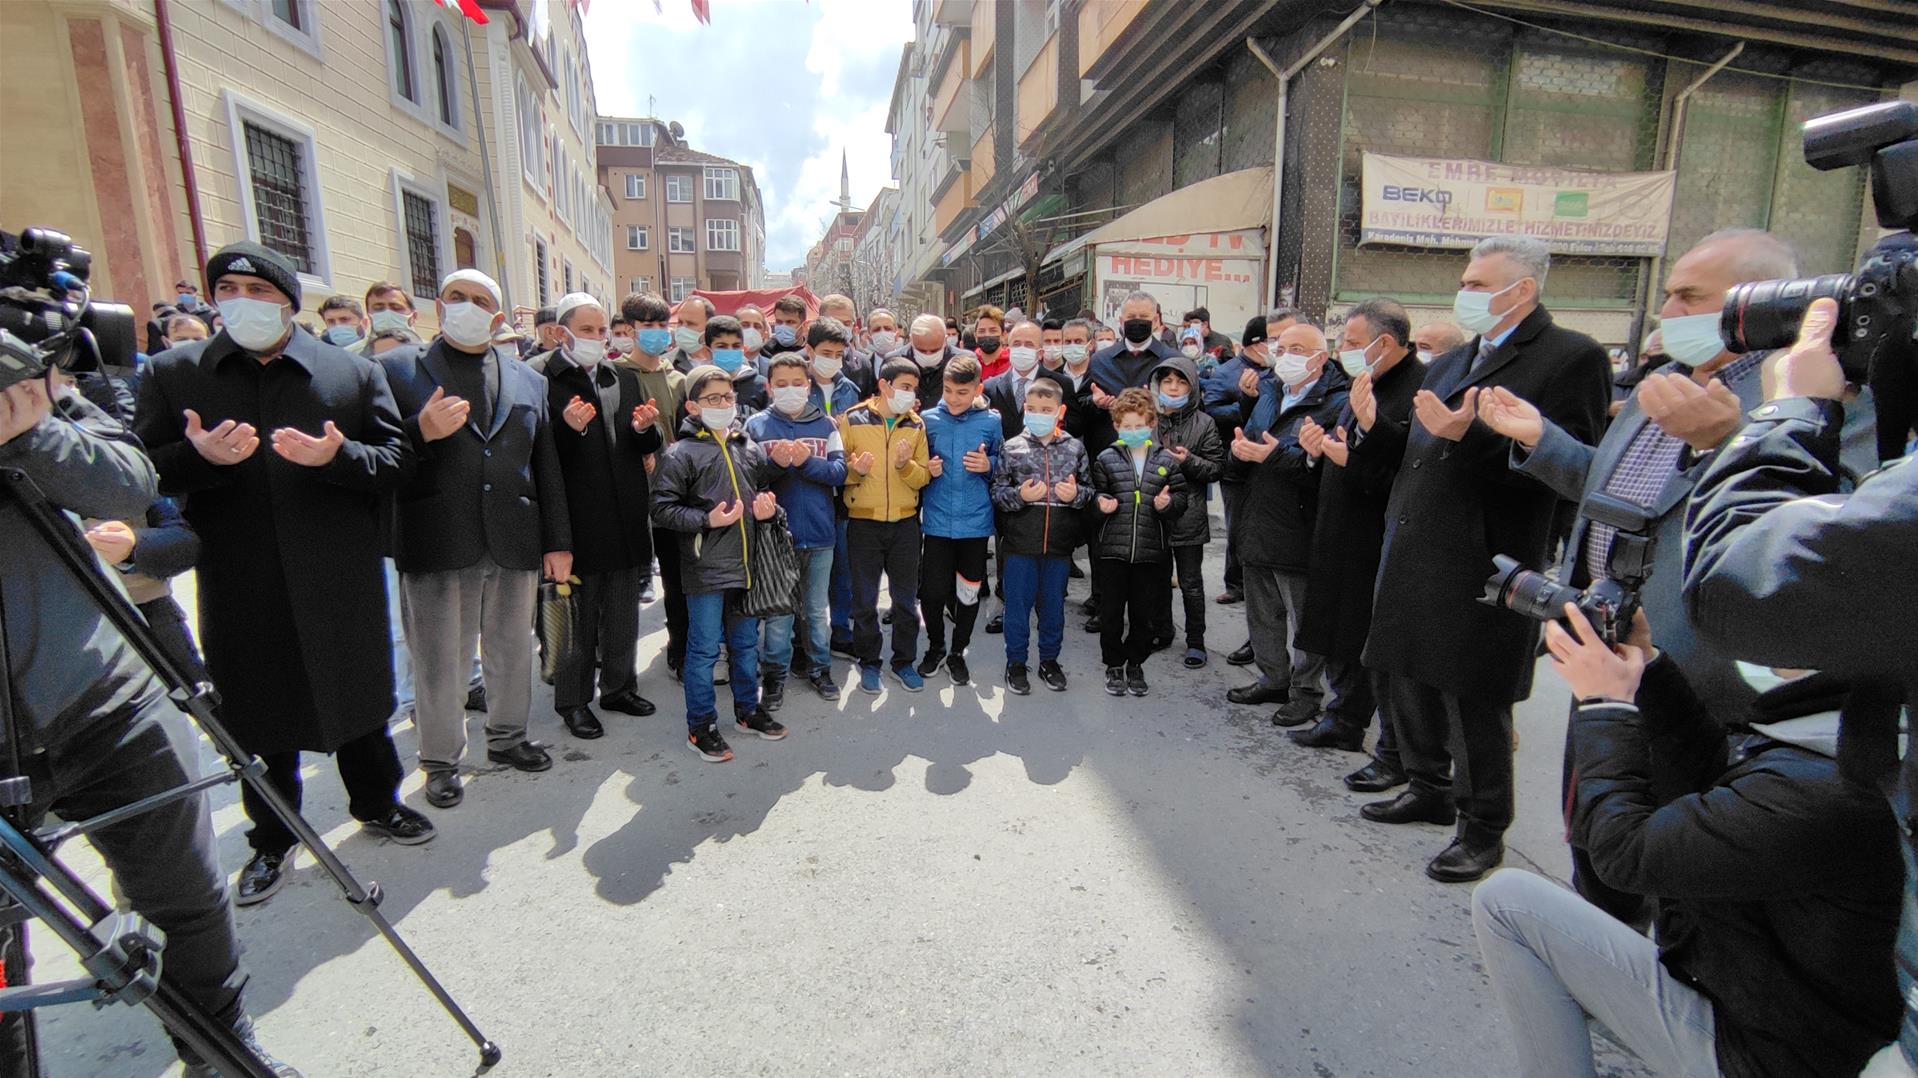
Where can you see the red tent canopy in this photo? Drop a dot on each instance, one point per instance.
(731, 302)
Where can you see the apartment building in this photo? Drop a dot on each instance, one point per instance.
(682, 219)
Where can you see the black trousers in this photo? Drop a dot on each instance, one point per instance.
(369, 766)
(607, 606)
(1352, 694)
(666, 549)
(1190, 561)
(1634, 910)
(1233, 494)
(889, 548)
(1128, 607)
(1473, 735)
(168, 623)
(164, 860)
(941, 562)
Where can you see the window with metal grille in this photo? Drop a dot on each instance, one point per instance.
(637, 238)
(681, 241)
(722, 234)
(539, 273)
(722, 183)
(679, 188)
(279, 194)
(402, 45)
(636, 186)
(422, 243)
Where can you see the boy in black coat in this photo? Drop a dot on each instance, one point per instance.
(1140, 490)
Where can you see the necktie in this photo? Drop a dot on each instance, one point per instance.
(1485, 350)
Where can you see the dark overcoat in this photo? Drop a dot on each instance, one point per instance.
(292, 595)
(608, 497)
(1455, 504)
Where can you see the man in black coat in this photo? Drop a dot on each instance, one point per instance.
(929, 350)
(609, 431)
(1455, 504)
(473, 530)
(1126, 363)
(1275, 519)
(292, 594)
(1358, 457)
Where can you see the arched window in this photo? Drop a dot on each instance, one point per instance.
(402, 45)
(445, 83)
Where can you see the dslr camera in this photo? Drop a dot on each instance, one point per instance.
(1609, 604)
(48, 317)
(1877, 302)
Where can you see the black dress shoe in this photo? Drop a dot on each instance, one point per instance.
(997, 625)
(262, 878)
(1230, 596)
(1256, 693)
(1092, 623)
(1294, 715)
(476, 698)
(443, 789)
(1241, 657)
(582, 722)
(1375, 778)
(526, 756)
(1463, 862)
(403, 825)
(1412, 806)
(1330, 733)
(628, 703)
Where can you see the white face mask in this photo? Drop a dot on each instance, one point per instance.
(623, 345)
(1291, 369)
(790, 399)
(752, 339)
(1190, 350)
(1075, 354)
(586, 351)
(884, 340)
(1354, 361)
(390, 322)
(254, 324)
(928, 359)
(827, 367)
(467, 324)
(1425, 357)
(952, 340)
(901, 401)
(1023, 359)
(1691, 339)
(689, 339)
(1473, 310)
(717, 419)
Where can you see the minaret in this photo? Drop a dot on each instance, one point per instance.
(845, 185)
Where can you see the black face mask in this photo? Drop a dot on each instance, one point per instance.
(988, 344)
(1137, 330)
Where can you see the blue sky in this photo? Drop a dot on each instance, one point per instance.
(781, 85)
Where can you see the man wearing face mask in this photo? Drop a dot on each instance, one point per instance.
(1126, 364)
(929, 351)
(611, 428)
(389, 309)
(485, 515)
(1224, 393)
(1455, 504)
(988, 331)
(1211, 342)
(1275, 519)
(752, 328)
(647, 313)
(1434, 339)
(285, 447)
(546, 334)
(689, 336)
(1006, 393)
(345, 323)
(1656, 451)
(788, 314)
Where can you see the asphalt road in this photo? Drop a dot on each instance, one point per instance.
(955, 882)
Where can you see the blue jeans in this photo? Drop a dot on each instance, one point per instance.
(707, 620)
(815, 582)
(841, 590)
(1035, 580)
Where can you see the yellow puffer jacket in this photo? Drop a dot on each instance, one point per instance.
(887, 492)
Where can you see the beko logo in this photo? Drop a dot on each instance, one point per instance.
(1437, 196)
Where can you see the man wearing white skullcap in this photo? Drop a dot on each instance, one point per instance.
(482, 517)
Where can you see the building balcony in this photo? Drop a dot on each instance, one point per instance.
(1038, 91)
(1101, 22)
(982, 160)
(952, 101)
(984, 28)
(952, 204)
(955, 13)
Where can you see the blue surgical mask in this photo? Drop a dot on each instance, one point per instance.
(188, 301)
(341, 335)
(785, 334)
(390, 322)
(1692, 339)
(1134, 437)
(1041, 424)
(1171, 403)
(654, 340)
(729, 359)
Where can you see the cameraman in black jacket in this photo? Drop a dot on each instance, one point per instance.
(1778, 884)
(1781, 568)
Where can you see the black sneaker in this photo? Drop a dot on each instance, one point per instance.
(956, 666)
(823, 684)
(997, 625)
(704, 739)
(476, 698)
(262, 878)
(251, 1041)
(1115, 681)
(403, 825)
(1016, 682)
(929, 665)
(1135, 680)
(772, 694)
(1050, 673)
(758, 722)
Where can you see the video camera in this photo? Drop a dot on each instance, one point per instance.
(1609, 604)
(48, 318)
(1876, 336)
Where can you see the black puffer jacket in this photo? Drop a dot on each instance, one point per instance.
(1197, 433)
(694, 474)
(1137, 531)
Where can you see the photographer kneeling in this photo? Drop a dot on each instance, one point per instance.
(87, 712)
(1778, 884)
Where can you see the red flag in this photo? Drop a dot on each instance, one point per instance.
(468, 8)
(703, 11)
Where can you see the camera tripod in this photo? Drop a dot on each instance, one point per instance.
(121, 952)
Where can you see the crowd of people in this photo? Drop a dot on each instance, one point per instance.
(371, 515)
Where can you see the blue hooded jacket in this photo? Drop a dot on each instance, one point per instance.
(805, 492)
(957, 504)
(845, 394)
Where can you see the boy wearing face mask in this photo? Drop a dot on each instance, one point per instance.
(345, 325)
(1139, 491)
(1039, 488)
(810, 465)
(988, 331)
(610, 431)
(885, 445)
(828, 345)
(963, 437)
(1190, 437)
(725, 343)
(647, 313)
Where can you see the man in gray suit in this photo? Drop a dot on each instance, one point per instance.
(1655, 452)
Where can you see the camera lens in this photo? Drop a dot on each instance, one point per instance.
(1538, 596)
(1762, 315)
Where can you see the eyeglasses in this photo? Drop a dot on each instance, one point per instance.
(717, 400)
